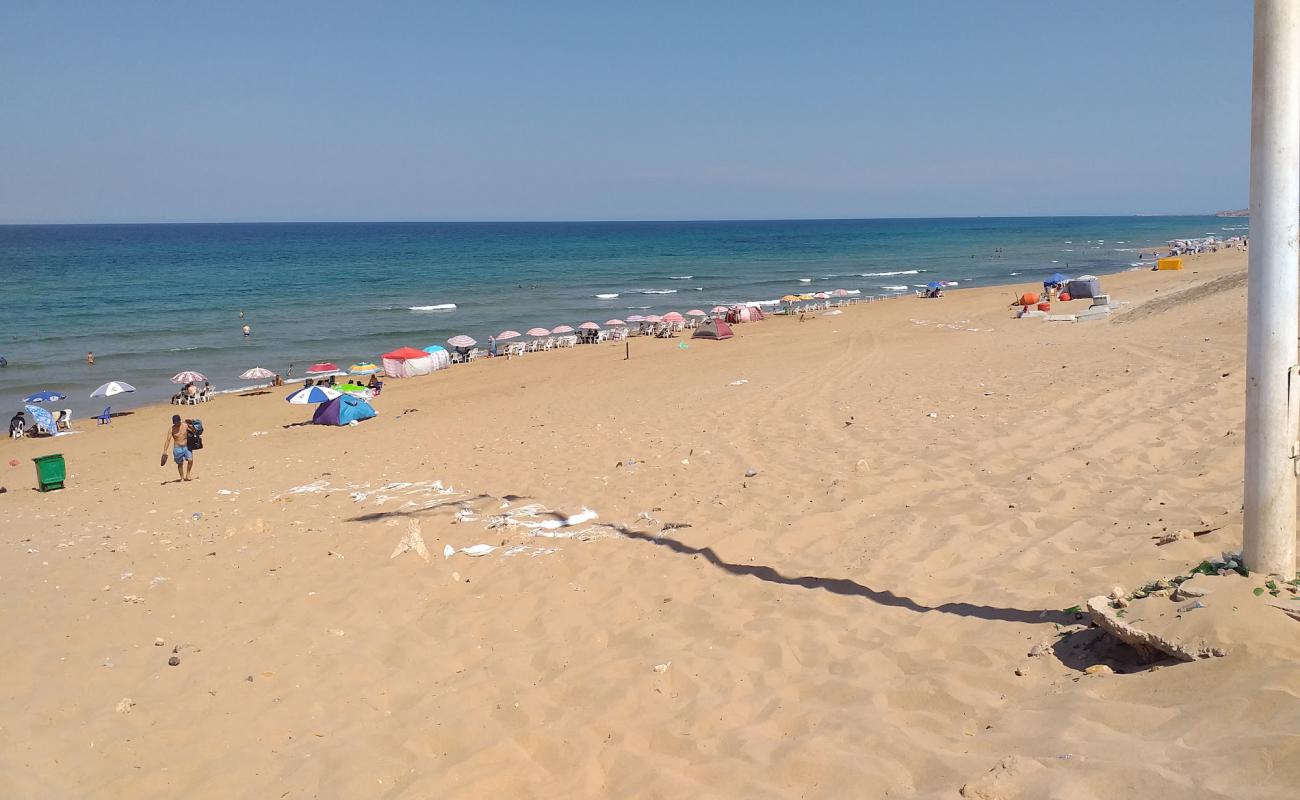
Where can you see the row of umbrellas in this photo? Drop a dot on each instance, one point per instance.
(507, 335)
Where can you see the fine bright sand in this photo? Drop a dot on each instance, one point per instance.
(818, 582)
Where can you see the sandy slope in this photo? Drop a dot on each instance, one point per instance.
(935, 482)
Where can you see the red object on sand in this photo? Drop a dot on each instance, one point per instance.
(1044, 306)
(1065, 296)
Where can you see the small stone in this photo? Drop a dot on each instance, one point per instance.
(1021, 672)
(174, 661)
(1012, 505)
(125, 705)
(662, 668)
(1192, 606)
(1175, 536)
(1037, 650)
(1120, 603)
(1218, 652)
(158, 642)
(751, 472)
(1116, 593)
(1099, 669)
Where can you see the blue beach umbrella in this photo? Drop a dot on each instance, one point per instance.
(934, 285)
(43, 418)
(1056, 280)
(44, 396)
(312, 395)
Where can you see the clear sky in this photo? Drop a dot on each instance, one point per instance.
(481, 110)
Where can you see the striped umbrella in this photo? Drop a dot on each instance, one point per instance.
(653, 318)
(821, 296)
(256, 374)
(559, 329)
(636, 318)
(695, 312)
(189, 376)
(841, 292)
(718, 310)
(461, 341)
(312, 395)
(111, 388)
(324, 366)
(365, 369)
(673, 316)
(588, 326)
(615, 323)
(507, 335)
(538, 332)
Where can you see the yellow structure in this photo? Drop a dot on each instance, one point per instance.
(1169, 263)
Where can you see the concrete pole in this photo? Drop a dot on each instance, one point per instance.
(1272, 380)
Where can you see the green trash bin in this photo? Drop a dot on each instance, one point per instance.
(50, 472)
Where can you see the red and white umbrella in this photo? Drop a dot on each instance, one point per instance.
(588, 326)
(615, 323)
(189, 376)
(558, 329)
(653, 318)
(673, 316)
(718, 310)
(462, 341)
(538, 332)
(506, 335)
(821, 296)
(256, 374)
(324, 366)
(636, 318)
(695, 312)
(841, 292)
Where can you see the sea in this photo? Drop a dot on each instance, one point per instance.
(152, 300)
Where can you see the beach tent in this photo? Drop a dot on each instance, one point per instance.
(713, 329)
(407, 362)
(756, 314)
(1084, 286)
(439, 358)
(342, 410)
(1169, 263)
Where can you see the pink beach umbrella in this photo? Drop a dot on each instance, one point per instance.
(695, 312)
(636, 318)
(189, 376)
(588, 326)
(821, 296)
(507, 335)
(653, 318)
(559, 329)
(256, 374)
(841, 292)
(538, 332)
(718, 310)
(322, 367)
(673, 316)
(615, 323)
(461, 341)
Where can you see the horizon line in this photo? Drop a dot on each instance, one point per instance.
(605, 221)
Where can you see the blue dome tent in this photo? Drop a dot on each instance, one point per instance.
(342, 410)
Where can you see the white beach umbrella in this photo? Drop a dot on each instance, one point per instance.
(111, 388)
(558, 329)
(188, 376)
(257, 374)
(461, 341)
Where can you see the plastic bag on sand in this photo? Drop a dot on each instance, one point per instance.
(587, 515)
(472, 550)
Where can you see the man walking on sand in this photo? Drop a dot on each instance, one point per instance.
(178, 438)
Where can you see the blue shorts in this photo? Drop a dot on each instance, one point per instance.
(182, 454)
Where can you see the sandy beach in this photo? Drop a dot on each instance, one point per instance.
(822, 554)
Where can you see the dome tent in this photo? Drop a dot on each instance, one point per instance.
(713, 329)
(407, 362)
(438, 357)
(342, 410)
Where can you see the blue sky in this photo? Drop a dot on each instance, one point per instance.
(133, 112)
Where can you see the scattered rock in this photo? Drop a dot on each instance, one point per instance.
(1117, 593)
(174, 661)
(1149, 646)
(1175, 536)
(662, 668)
(751, 472)
(1099, 669)
(158, 642)
(125, 705)
(1039, 649)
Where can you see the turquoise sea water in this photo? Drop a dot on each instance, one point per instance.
(152, 300)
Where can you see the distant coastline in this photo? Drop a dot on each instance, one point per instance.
(1245, 212)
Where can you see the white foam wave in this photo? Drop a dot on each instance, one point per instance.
(805, 280)
(890, 274)
(658, 291)
(606, 296)
(680, 277)
(182, 349)
(894, 288)
(438, 307)
(638, 308)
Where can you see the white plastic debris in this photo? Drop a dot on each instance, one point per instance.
(740, 382)
(412, 541)
(586, 515)
(662, 668)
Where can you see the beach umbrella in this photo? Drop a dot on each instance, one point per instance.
(538, 332)
(324, 366)
(43, 418)
(673, 316)
(507, 335)
(111, 388)
(588, 326)
(805, 297)
(312, 395)
(821, 296)
(349, 388)
(841, 292)
(1056, 279)
(615, 323)
(720, 309)
(256, 374)
(695, 312)
(789, 298)
(934, 285)
(44, 396)
(461, 341)
(636, 318)
(188, 376)
(559, 329)
(653, 318)
(367, 368)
